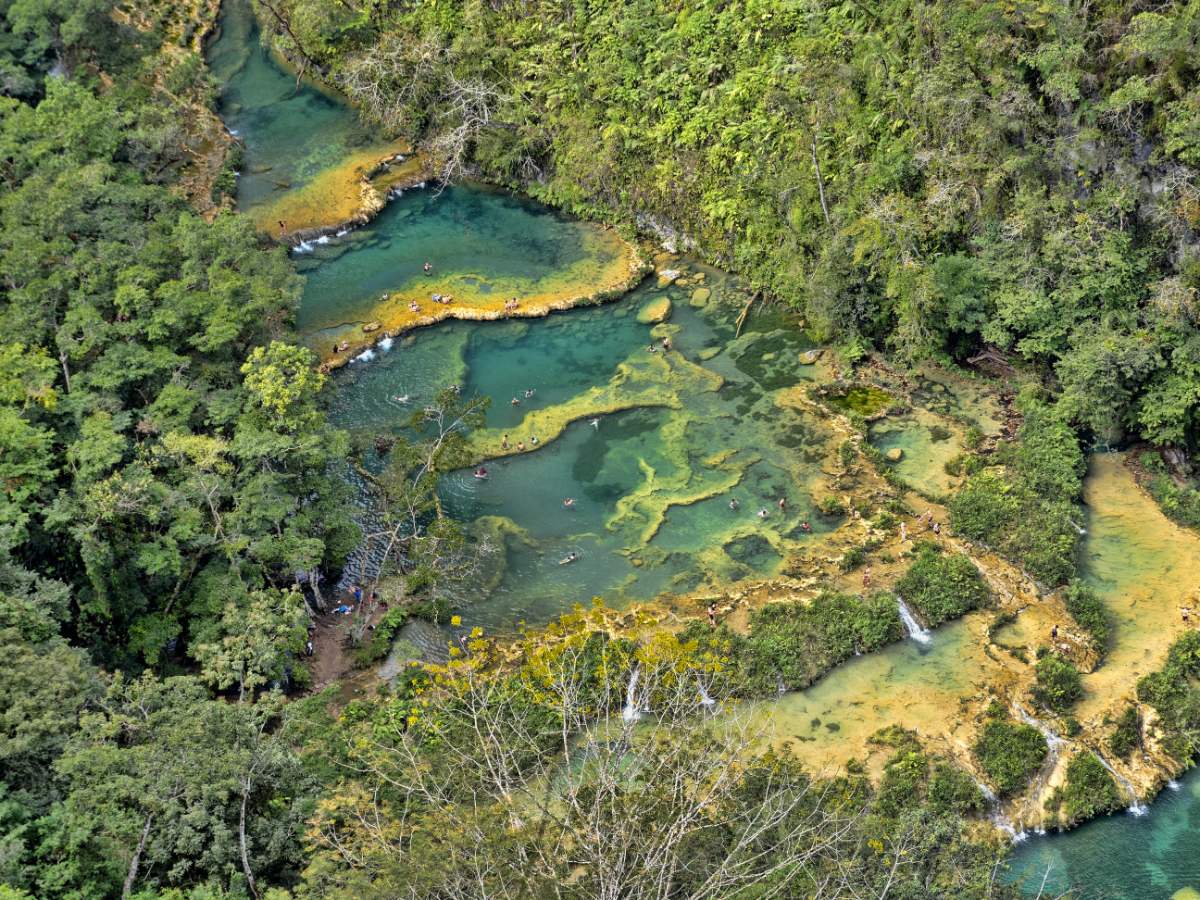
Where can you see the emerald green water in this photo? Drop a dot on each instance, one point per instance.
(678, 437)
(652, 483)
(289, 134)
(480, 243)
(1121, 857)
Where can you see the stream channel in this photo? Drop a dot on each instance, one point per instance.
(653, 446)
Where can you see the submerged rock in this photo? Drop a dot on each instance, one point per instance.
(895, 454)
(667, 277)
(708, 353)
(655, 311)
(700, 297)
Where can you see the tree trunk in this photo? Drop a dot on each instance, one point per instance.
(242, 840)
(820, 180)
(137, 857)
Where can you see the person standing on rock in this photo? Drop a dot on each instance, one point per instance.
(712, 613)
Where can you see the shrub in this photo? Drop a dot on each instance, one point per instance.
(1058, 683)
(953, 790)
(1089, 790)
(796, 643)
(1174, 696)
(1048, 459)
(1128, 733)
(942, 586)
(1089, 613)
(1010, 754)
(852, 559)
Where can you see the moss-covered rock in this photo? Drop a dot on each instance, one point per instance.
(655, 311)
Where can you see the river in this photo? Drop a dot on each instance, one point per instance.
(653, 447)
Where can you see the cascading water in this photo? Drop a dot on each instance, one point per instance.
(1054, 745)
(631, 712)
(911, 626)
(1136, 808)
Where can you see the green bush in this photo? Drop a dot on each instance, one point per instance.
(796, 643)
(1010, 754)
(953, 790)
(1128, 733)
(1089, 791)
(942, 586)
(1173, 694)
(852, 559)
(1089, 613)
(1025, 510)
(1058, 683)
(1048, 459)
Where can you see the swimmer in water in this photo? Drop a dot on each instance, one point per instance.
(428, 267)
(595, 423)
(805, 527)
(529, 392)
(481, 472)
(733, 504)
(401, 398)
(783, 503)
(569, 502)
(516, 402)
(762, 513)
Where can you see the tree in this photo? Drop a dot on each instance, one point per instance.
(254, 641)
(167, 788)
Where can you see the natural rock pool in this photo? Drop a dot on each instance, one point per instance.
(677, 436)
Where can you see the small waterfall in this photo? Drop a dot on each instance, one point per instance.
(705, 700)
(631, 713)
(1173, 785)
(302, 247)
(342, 232)
(324, 239)
(911, 626)
(386, 344)
(988, 794)
(365, 356)
(1136, 808)
(1054, 745)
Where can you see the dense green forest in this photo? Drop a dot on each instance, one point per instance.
(928, 178)
(923, 179)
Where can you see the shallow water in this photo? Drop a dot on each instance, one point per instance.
(1142, 566)
(909, 684)
(677, 437)
(928, 444)
(484, 247)
(1121, 857)
(290, 133)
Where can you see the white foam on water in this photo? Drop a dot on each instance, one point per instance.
(911, 626)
